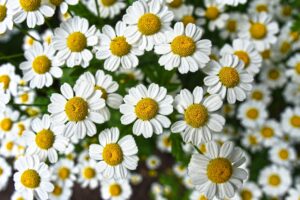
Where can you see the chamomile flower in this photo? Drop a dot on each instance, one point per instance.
(47, 37)
(72, 40)
(164, 142)
(30, 39)
(270, 132)
(115, 189)
(79, 112)
(62, 4)
(282, 154)
(32, 178)
(180, 170)
(5, 173)
(196, 195)
(262, 6)
(284, 12)
(153, 162)
(294, 68)
(107, 8)
(41, 66)
(45, 139)
(19, 196)
(135, 178)
(273, 75)
(64, 172)
(148, 23)
(260, 93)
(115, 156)
(292, 93)
(294, 193)
(228, 78)
(290, 121)
(115, 49)
(178, 7)
(147, 108)
(199, 118)
(250, 191)
(9, 79)
(88, 175)
(252, 114)
(184, 49)
(33, 11)
(232, 2)
(25, 96)
(60, 192)
(9, 147)
(232, 25)
(5, 98)
(261, 30)
(218, 173)
(8, 118)
(188, 16)
(245, 51)
(6, 17)
(275, 181)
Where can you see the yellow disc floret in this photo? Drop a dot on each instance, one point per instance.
(252, 113)
(285, 47)
(108, 3)
(183, 46)
(196, 115)
(231, 25)
(5, 80)
(297, 68)
(115, 190)
(246, 194)
(149, 24)
(41, 64)
(146, 109)
(112, 154)
(119, 46)
(262, 8)
(56, 2)
(30, 5)
(283, 154)
(273, 74)
(77, 42)
(64, 173)
(219, 170)
(6, 124)
(30, 179)
(3, 11)
(229, 77)
(76, 109)
(212, 13)
(104, 92)
(57, 191)
(45, 139)
(258, 31)
(295, 121)
(188, 19)
(89, 173)
(267, 132)
(257, 95)
(274, 180)
(243, 56)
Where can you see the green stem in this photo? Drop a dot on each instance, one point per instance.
(98, 11)
(28, 105)
(48, 24)
(11, 56)
(25, 32)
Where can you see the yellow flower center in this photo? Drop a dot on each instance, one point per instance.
(258, 31)
(252, 140)
(252, 113)
(89, 173)
(76, 109)
(1, 171)
(212, 13)
(257, 95)
(294, 35)
(273, 74)
(146, 109)
(219, 170)
(231, 25)
(41, 64)
(5, 80)
(21, 128)
(6, 124)
(188, 19)
(295, 121)
(175, 3)
(183, 46)
(167, 142)
(115, 190)
(266, 54)
(56, 2)
(297, 68)
(30, 179)
(32, 112)
(202, 197)
(267, 132)
(119, 46)
(243, 56)
(20, 198)
(77, 42)
(196, 115)
(30, 5)
(104, 92)
(202, 148)
(262, 8)
(57, 191)
(9, 146)
(285, 47)
(108, 2)
(246, 194)
(64, 173)
(274, 180)
(24, 97)
(3, 10)
(229, 77)
(283, 154)
(44, 139)
(112, 154)
(287, 10)
(149, 24)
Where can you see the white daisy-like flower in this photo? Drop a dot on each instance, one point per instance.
(196, 195)
(273, 75)
(245, 51)
(291, 93)
(262, 6)
(135, 178)
(63, 4)
(282, 154)
(18, 196)
(5, 98)
(147, 108)
(232, 2)
(228, 78)
(115, 49)
(164, 142)
(153, 162)
(72, 40)
(294, 65)
(25, 96)
(115, 156)
(232, 25)
(261, 30)
(148, 23)
(47, 37)
(284, 12)
(213, 13)
(282, 48)
(79, 112)
(29, 41)
(252, 114)
(5, 173)
(269, 133)
(184, 49)
(64, 172)
(275, 180)
(6, 17)
(41, 66)
(290, 121)
(33, 11)
(250, 191)
(32, 178)
(115, 189)
(261, 93)
(294, 193)
(218, 172)
(178, 7)
(45, 139)
(107, 8)
(60, 192)
(8, 119)
(199, 118)
(9, 148)
(188, 16)
(9, 79)
(88, 175)
(180, 169)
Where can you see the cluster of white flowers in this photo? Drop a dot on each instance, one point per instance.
(85, 98)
